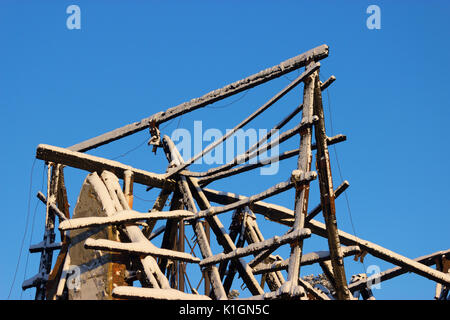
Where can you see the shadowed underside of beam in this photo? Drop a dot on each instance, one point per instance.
(97, 164)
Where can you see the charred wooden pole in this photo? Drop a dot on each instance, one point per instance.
(302, 190)
(216, 226)
(312, 67)
(258, 145)
(213, 272)
(327, 197)
(45, 264)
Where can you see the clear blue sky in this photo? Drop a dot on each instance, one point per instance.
(134, 58)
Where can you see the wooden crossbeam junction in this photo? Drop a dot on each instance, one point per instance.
(307, 259)
(92, 163)
(427, 260)
(161, 270)
(257, 247)
(258, 145)
(260, 163)
(312, 68)
(217, 227)
(347, 239)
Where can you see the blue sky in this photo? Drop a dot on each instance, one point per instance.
(135, 58)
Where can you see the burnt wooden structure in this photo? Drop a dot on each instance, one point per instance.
(106, 245)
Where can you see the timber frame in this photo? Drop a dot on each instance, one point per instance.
(162, 271)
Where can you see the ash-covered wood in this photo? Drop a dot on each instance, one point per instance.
(113, 245)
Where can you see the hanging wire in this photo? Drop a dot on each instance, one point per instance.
(142, 199)
(340, 171)
(131, 150)
(230, 103)
(32, 230)
(25, 231)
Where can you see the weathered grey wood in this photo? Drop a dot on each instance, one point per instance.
(212, 272)
(339, 190)
(157, 206)
(257, 247)
(278, 188)
(222, 237)
(310, 69)
(149, 266)
(170, 232)
(307, 259)
(268, 74)
(45, 264)
(225, 241)
(53, 207)
(250, 166)
(427, 260)
(253, 235)
(270, 210)
(41, 246)
(259, 145)
(92, 163)
(302, 190)
(122, 217)
(156, 233)
(327, 197)
(155, 294)
(139, 249)
(319, 295)
(383, 253)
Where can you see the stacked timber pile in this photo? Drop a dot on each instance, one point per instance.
(106, 246)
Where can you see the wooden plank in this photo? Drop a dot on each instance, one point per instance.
(155, 294)
(92, 163)
(302, 190)
(427, 260)
(122, 217)
(139, 249)
(257, 247)
(261, 77)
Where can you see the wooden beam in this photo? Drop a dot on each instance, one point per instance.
(310, 69)
(141, 249)
(261, 77)
(302, 190)
(327, 197)
(427, 260)
(93, 163)
(257, 247)
(307, 259)
(122, 217)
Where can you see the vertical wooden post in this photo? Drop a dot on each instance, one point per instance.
(181, 265)
(327, 198)
(45, 263)
(128, 186)
(207, 280)
(302, 190)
